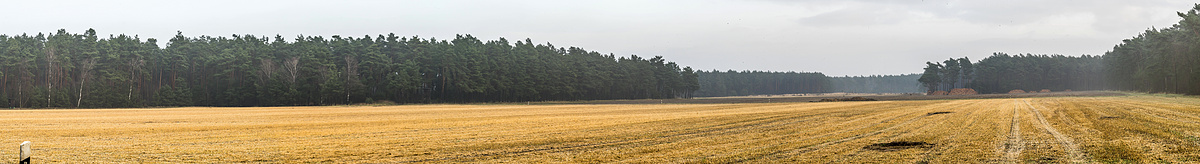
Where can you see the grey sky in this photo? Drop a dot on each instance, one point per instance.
(837, 37)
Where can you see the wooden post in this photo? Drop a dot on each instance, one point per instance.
(26, 152)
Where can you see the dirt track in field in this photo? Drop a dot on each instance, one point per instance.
(1014, 145)
(1066, 142)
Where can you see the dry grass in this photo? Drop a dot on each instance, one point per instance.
(1133, 129)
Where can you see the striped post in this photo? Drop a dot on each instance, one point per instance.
(26, 152)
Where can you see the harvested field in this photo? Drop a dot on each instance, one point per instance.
(718, 100)
(847, 99)
(1136, 129)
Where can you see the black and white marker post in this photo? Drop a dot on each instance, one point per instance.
(26, 152)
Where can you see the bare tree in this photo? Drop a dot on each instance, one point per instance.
(291, 66)
(25, 80)
(133, 65)
(351, 75)
(84, 74)
(267, 69)
(49, 74)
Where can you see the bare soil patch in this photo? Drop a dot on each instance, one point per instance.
(937, 113)
(899, 145)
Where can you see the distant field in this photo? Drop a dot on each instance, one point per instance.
(1137, 128)
(817, 97)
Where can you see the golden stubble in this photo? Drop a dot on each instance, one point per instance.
(1138, 129)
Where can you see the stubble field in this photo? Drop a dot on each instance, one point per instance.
(1138, 129)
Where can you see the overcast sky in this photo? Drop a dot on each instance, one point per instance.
(836, 37)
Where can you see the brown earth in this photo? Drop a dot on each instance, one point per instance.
(963, 91)
(900, 145)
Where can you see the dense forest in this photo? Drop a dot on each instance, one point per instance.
(877, 84)
(66, 70)
(733, 83)
(1157, 60)
(949, 74)
(1001, 73)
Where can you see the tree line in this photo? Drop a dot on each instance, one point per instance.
(1001, 73)
(741, 83)
(949, 74)
(906, 83)
(733, 83)
(68, 70)
(1157, 60)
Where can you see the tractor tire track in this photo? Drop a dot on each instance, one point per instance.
(1099, 112)
(665, 136)
(921, 128)
(1062, 115)
(1159, 113)
(1015, 145)
(810, 148)
(789, 123)
(893, 137)
(668, 135)
(800, 133)
(1068, 144)
(854, 155)
(930, 155)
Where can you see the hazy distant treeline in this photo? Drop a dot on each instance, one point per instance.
(83, 70)
(733, 83)
(877, 84)
(1157, 60)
